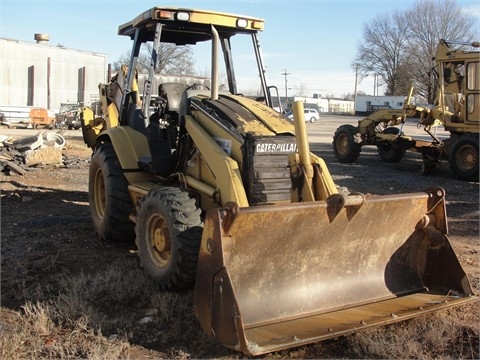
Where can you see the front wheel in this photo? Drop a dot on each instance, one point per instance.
(169, 230)
(464, 158)
(387, 152)
(346, 149)
(109, 200)
(312, 120)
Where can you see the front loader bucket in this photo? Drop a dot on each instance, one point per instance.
(277, 276)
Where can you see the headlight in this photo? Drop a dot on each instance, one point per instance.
(242, 23)
(183, 16)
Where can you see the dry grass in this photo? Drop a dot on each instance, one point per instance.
(34, 333)
(70, 324)
(103, 316)
(448, 334)
(121, 314)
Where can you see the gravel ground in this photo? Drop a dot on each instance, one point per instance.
(46, 228)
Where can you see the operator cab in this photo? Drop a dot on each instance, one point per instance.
(161, 119)
(188, 27)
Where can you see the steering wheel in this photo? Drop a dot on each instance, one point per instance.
(197, 86)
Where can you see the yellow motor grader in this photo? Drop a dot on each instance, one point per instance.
(219, 191)
(457, 108)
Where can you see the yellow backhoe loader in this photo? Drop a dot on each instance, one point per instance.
(221, 192)
(457, 109)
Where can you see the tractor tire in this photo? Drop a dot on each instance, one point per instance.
(110, 203)
(346, 149)
(386, 151)
(169, 230)
(463, 158)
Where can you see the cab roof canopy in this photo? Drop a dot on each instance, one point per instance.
(189, 26)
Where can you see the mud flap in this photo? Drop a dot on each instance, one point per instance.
(278, 276)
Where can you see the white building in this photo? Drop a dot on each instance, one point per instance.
(322, 104)
(365, 104)
(338, 106)
(42, 75)
(327, 105)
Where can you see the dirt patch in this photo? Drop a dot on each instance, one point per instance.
(46, 231)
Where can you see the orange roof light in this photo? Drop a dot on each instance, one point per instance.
(258, 25)
(164, 14)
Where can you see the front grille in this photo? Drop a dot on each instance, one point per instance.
(266, 174)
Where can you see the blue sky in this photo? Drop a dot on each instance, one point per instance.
(315, 41)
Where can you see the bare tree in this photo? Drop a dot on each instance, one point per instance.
(351, 97)
(172, 60)
(381, 51)
(222, 77)
(301, 90)
(425, 25)
(401, 48)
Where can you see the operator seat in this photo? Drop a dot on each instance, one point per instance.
(172, 92)
(162, 131)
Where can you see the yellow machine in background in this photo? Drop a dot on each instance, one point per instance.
(457, 108)
(221, 192)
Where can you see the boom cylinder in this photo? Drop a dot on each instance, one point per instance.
(302, 140)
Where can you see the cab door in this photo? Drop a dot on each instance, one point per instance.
(472, 92)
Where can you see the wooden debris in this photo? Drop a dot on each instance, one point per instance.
(14, 167)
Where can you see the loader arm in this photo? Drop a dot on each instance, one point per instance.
(225, 169)
(310, 176)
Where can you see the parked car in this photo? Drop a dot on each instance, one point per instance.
(309, 114)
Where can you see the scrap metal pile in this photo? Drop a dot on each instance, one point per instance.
(33, 153)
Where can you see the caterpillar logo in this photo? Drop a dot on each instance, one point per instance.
(276, 148)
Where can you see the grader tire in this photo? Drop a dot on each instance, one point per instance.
(109, 200)
(463, 158)
(169, 230)
(346, 149)
(387, 152)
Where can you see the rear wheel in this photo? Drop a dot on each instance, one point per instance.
(386, 151)
(169, 230)
(346, 149)
(464, 158)
(109, 200)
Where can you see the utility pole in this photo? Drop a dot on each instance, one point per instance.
(356, 81)
(355, 91)
(285, 73)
